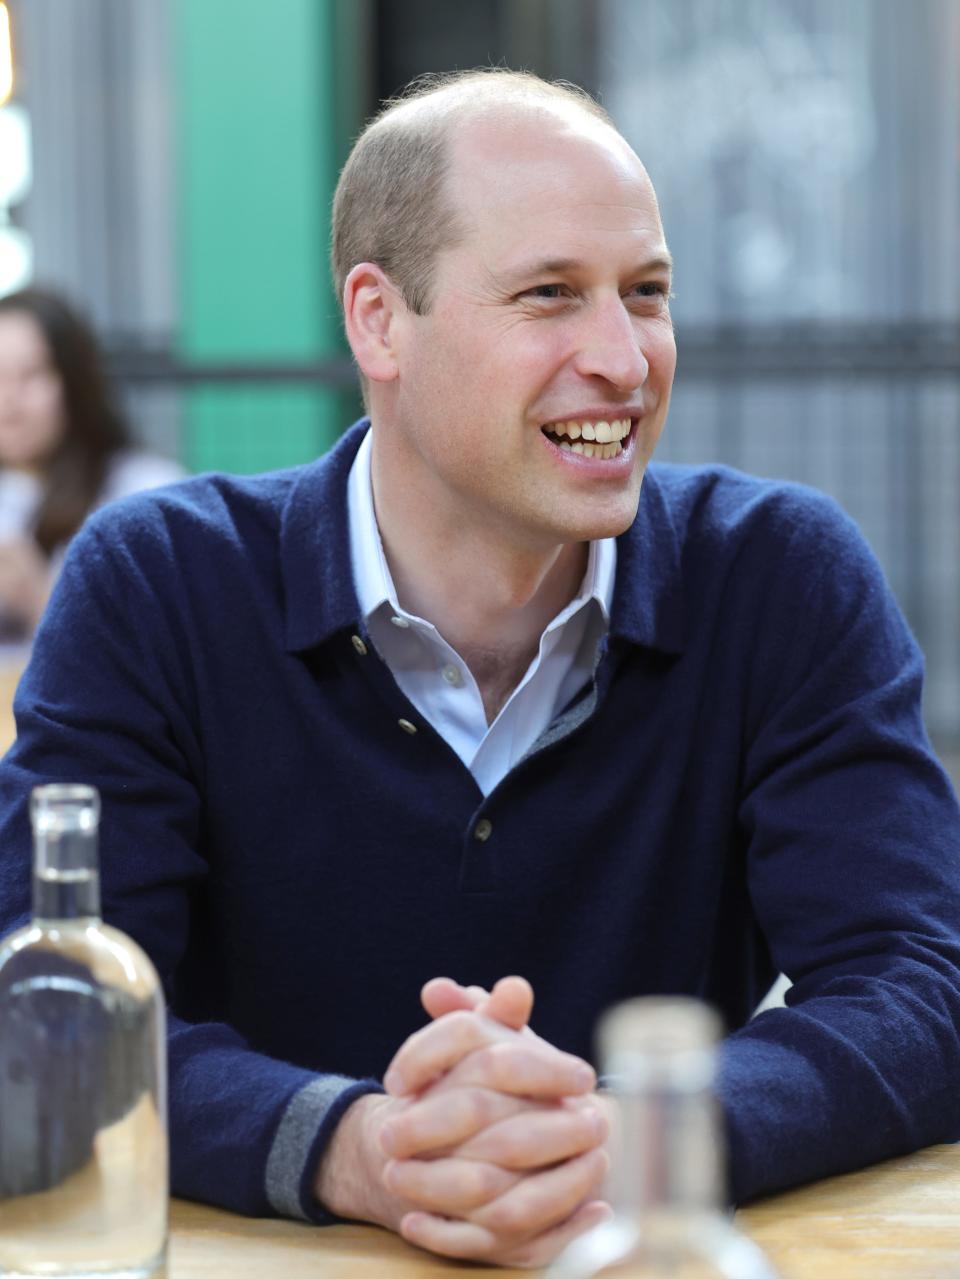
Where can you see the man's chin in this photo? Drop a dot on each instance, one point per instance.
(611, 520)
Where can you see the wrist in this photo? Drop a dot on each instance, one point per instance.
(349, 1178)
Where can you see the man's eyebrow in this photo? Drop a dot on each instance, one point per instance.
(570, 266)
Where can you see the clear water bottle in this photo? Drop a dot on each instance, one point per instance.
(667, 1158)
(83, 1137)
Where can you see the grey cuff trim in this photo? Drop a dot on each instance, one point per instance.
(295, 1141)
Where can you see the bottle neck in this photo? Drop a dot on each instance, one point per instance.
(668, 1153)
(66, 879)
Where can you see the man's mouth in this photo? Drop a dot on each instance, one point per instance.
(589, 438)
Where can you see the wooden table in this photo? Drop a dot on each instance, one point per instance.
(897, 1220)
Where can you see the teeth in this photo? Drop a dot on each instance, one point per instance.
(592, 450)
(603, 432)
(599, 439)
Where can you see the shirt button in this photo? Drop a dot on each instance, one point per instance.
(452, 676)
(407, 726)
(359, 645)
(401, 622)
(483, 830)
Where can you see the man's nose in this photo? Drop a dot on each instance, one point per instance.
(611, 346)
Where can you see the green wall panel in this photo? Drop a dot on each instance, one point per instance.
(259, 132)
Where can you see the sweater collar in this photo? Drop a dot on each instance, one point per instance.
(318, 588)
(648, 595)
(321, 600)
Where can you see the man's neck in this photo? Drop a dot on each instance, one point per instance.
(493, 614)
(489, 598)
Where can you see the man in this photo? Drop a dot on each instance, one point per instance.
(460, 699)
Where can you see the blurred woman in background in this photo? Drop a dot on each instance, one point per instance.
(65, 448)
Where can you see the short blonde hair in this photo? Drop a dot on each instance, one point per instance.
(391, 206)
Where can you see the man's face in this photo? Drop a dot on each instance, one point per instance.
(548, 320)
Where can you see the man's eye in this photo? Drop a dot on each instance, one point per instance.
(545, 291)
(651, 289)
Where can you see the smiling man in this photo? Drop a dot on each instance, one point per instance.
(518, 383)
(482, 693)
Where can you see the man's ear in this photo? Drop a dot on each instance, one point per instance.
(371, 306)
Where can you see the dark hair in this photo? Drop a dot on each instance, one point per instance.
(94, 428)
(391, 205)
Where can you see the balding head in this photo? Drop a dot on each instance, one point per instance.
(392, 204)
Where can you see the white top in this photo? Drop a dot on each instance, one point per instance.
(434, 677)
(129, 471)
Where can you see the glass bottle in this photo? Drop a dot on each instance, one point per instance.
(83, 1138)
(666, 1182)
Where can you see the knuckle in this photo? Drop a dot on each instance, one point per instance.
(507, 1064)
(394, 1134)
(477, 1108)
(463, 1024)
(587, 1128)
(512, 1150)
(505, 1216)
(487, 1180)
(480, 1182)
(487, 1060)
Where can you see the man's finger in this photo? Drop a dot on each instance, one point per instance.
(442, 1120)
(522, 1066)
(510, 1002)
(450, 1187)
(536, 1138)
(536, 1205)
(432, 1051)
(545, 1247)
(543, 1200)
(442, 995)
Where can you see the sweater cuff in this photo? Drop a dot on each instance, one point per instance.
(305, 1128)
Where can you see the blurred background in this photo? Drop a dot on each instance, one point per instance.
(169, 165)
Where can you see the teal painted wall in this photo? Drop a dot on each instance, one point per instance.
(261, 135)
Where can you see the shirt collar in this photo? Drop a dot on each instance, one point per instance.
(639, 589)
(371, 573)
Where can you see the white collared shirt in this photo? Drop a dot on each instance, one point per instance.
(435, 678)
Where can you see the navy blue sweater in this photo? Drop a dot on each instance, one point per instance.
(746, 787)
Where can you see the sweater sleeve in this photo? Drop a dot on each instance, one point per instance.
(108, 700)
(853, 844)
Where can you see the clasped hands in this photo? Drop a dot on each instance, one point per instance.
(489, 1142)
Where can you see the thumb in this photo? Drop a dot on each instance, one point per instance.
(510, 1002)
(442, 995)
